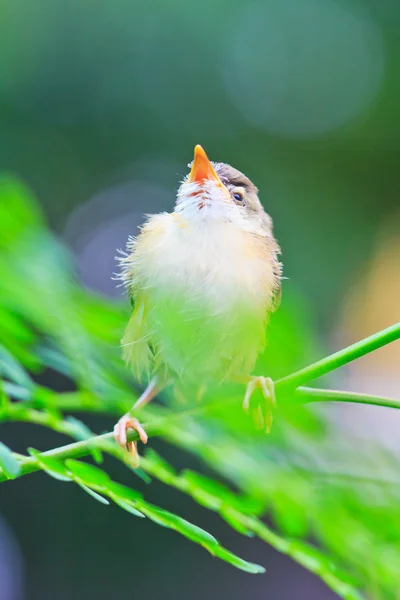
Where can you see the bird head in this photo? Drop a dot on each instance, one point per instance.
(217, 191)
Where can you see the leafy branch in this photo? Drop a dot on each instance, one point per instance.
(303, 395)
(58, 463)
(294, 477)
(219, 499)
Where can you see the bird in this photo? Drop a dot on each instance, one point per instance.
(203, 281)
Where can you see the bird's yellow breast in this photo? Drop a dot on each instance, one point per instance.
(202, 292)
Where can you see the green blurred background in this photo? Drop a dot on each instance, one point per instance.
(101, 104)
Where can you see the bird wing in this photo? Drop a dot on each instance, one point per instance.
(137, 350)
(136, 343)
(270, 251)
(277, 292)
(138, 346)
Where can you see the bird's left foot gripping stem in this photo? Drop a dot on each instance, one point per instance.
(120, 434)
(262, 412)
(128, 421)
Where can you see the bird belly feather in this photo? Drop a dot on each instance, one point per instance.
(202, 296)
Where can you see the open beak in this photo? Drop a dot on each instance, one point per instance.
(202, 169)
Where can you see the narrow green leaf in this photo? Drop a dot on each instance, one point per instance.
(50, 465)
(156, 517)
(206, 483)
(193, 532)
(308, 557)
(16, 333)
(46, 399)
(8, 462)
(206, 491)
(168, 519)
(236, 561)
(142, 475)
(230, 515)
(198, 535)
(88, 474)
(55, 360)
(11, 369)
(126, 506)
(82, 432)
(159, 466)
(92, 493)
(204, 498)
(16, 391)
(123, 492)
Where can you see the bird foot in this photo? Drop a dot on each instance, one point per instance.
(262, 412)
(120, 435)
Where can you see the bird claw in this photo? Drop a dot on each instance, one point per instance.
(120, 435)
(263, 414)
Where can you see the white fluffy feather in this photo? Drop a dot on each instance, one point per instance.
(202, 279)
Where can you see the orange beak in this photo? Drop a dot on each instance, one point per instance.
(202, 169)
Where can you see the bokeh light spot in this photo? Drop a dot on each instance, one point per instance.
(303, 68)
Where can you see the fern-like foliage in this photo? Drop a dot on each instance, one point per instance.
(309, 479)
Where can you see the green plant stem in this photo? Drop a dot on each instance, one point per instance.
(78, 449)
(292, 381)
(338, 359)
(74, 450)
(16, 412)
(306, 395)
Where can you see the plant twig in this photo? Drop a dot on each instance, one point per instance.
(338, 359)
(306, 395)
(82, 448)
(293, 381)
(74, 450)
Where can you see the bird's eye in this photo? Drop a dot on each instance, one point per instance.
(238, 198)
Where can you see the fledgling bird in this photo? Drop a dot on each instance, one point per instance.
(202, 280)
